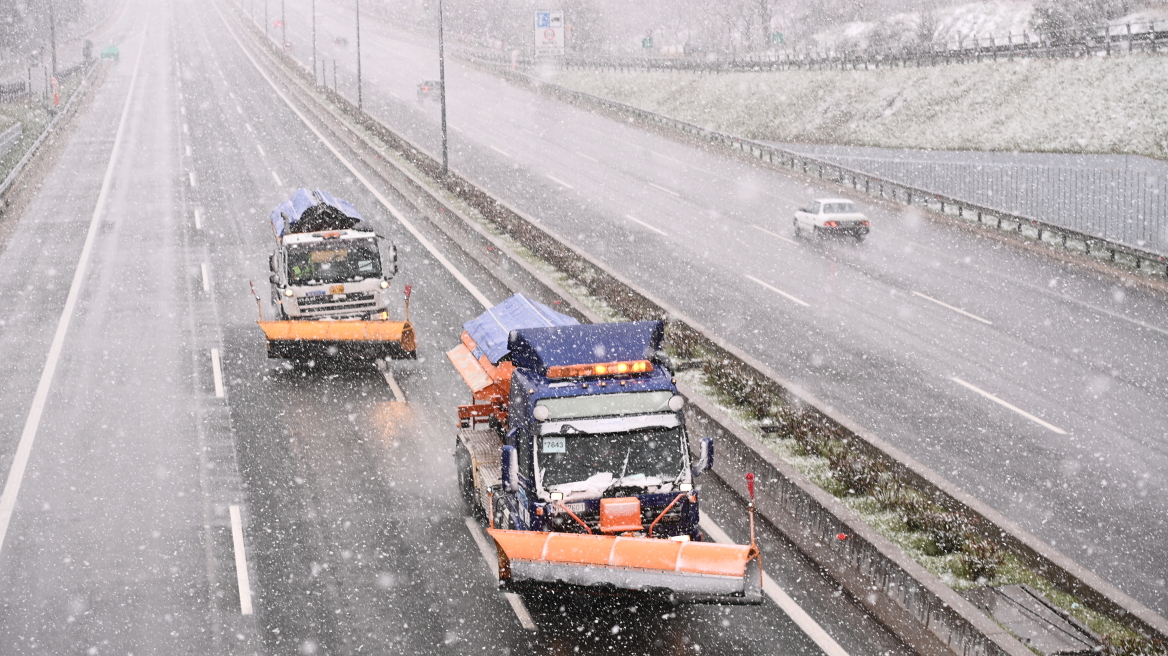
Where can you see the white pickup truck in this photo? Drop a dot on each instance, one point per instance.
(826, 216)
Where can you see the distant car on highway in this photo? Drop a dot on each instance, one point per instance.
(836, 216)
(428, 89)
(340, 41)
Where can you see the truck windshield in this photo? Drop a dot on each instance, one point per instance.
(333, 261)
(636, 455)
(607, 405)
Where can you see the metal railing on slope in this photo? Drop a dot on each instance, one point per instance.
(1096, 245)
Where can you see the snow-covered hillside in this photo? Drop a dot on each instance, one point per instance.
(1097, 105)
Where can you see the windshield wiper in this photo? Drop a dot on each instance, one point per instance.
(624, 468)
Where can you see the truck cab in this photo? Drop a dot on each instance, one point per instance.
(587, 431)
(328, 262)
(340, 274)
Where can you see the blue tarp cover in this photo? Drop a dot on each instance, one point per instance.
(289, 212)
(491, 329)
(540, 348)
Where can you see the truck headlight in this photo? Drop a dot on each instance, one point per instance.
(288, 292)
(385, 284)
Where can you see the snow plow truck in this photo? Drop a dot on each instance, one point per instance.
(330, 277)
(575, 452)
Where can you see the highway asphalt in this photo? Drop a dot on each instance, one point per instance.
(168, 448)
(1034, 384)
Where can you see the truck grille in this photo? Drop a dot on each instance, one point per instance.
(325, 302)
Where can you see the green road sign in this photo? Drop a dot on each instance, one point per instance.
(647, 42)
(777, 38)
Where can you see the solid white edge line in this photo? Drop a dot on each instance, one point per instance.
(668, 191)
(492, 559)
(206, 269)
(779, 291)
(501, 151)
(33, 421)
(277, 179)
(392, 382)
(786, 239)
(458, 275)
(240, 562)
(198, 219)
(217, 373)
(1008, 405)
(955, 309)
(783, 600)
(587, 157)
(557, 180)
(636, 220)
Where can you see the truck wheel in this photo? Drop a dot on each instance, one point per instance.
(798, 228)
(502, 515)
(466, 487)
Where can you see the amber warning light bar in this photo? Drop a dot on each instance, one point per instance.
(601, 369)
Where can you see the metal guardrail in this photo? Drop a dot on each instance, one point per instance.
(1100, 40)
(1096, 245)
(1123, 198)
(913, 603)
(14, 174)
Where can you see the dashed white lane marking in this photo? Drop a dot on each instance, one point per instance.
(534, 134)
(955, 309)
(773, 234)
(587, 157)
(668, 191)
(426, 243)
(194, 180)
(185, 128)
(217, 373)
(1004, 404)
(36, 410)
(239, 109)
(501, 151)
(248, 126)
(456, 129)
(636, 220)
(198, 219)
(188, 150)
(261, 149)
(492, 559)
(206, 269)
(782, 599)
(240, 562)
(779, 292)
(277, 179)
(558, 181)
(182, 110)
(393, 386)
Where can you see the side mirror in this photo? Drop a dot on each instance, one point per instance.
(274, 279)
(705, 457)
(510, 472)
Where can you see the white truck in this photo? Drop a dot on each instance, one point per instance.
(331, 276)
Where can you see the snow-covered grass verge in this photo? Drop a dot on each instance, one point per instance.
(1091, 105)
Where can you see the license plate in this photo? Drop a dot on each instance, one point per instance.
(337, 289)
(554, 445)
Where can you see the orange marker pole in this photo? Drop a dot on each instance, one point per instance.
(753, 544)
(259, 305)
(409, 289)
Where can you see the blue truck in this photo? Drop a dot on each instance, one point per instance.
(574, 451)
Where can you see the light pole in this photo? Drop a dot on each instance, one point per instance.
(442, 90)
(314, 41)
(283, 27)
(359, 105)
(265, 18)
(53, 35)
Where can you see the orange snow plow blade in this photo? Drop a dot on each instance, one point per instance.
(685, 571)
(340, 339)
